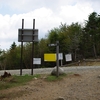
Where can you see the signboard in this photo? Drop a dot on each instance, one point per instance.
(26, 35)
(37, 61)
(68, 57)
(50, 57)
(52, 45)
(60, 56)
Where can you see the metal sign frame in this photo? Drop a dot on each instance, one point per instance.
(27, 35)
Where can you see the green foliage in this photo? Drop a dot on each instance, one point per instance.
(80, 41)
(91, 35)
(27, 55)
(12, 58)
(51, 78)
(13, 46)
(2, 58)
(16, 81)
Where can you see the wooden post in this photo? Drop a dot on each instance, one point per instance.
(22, 48)
(33, 46)
(57, 53)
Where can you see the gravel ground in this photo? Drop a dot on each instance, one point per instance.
(82, 84)
(48, 70)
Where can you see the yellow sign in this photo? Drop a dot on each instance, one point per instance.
(50, 57)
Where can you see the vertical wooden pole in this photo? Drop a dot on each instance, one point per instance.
(33, 46)
(57, 53)
(22, 47)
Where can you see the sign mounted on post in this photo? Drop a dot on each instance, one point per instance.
(50, 57)
(60, 56)
(27, 35)
(51, 45)
(68, 57)
(37, 61)
(57, 55)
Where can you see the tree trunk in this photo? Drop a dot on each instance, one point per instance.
(75, 55)
(94, 49)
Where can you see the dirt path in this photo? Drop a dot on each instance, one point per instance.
(84, 85)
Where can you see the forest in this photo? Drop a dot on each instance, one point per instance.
(80, 40)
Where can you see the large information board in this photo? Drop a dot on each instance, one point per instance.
(27, 35)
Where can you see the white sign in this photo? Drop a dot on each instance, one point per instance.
(60, 56)
(37, 61)
(52, 44)
(68, 57)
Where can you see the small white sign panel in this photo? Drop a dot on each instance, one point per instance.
(68, 57)
(60, 56)
(37, 61)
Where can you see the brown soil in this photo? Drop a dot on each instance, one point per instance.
(77, 86)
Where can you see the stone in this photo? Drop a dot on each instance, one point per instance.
(35, 78)
(60, 98)
(99, 76)
(54, 71)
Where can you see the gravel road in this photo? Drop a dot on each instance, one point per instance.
(48, 70)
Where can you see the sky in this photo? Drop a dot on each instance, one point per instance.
(48, 14)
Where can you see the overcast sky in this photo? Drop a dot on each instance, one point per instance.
(47, 14)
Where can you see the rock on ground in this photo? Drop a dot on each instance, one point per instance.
(54, 71)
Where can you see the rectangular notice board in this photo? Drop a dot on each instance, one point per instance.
(50, 57)
(27, 35)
